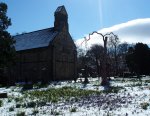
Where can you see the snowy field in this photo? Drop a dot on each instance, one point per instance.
(127, 97)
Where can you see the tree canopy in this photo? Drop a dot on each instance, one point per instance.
(137, 59)
(7, 50)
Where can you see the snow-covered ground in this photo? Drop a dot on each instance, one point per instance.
(133, 99)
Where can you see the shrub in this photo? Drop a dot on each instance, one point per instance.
(147, 81)
(54, 112)
(144, 105)
(19, 85)
(20, 114)
(31, 104)
(74, 109)
(27, 86)
(43, 85)
(19, 99)
(11, 109)
(24, 105)
(57, 113)
(18, 105)
(1, 103)
(40, 85)
(35, 111)
(42, 103)
(9, 99)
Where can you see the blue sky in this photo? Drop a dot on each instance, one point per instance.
(85, 16)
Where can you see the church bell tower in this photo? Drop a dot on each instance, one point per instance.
(61, 19)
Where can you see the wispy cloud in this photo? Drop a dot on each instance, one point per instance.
(132, 32)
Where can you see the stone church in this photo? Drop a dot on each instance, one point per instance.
(47, 54)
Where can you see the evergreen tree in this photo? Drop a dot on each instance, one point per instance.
(138, 59)
(7, 50)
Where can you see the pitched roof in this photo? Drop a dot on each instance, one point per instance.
(36, 39)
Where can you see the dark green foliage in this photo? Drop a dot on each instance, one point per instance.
(18, 99)
(4, 20)
(147, 81)
(27, 86)
(41, 103)
(9, 100)
(137, 59)
(31, 104)
(18, 105)
(24, 105)
(7, 50)
(1, 103)
(74, 109)
(35, 112)
(11, 109)
(40, 85)
(20, 114)
(144, 105)
(54, 112)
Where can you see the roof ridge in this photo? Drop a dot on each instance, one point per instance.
(33, 31)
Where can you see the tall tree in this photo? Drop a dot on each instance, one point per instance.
(7, 50)
(130, 59)
(96, 53)
(113, 44)
(83, 64)
(122, 51)
(138, 59)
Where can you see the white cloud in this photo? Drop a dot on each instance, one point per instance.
(132, 31)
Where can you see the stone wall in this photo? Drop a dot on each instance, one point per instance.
(34, 65)
(65, 57)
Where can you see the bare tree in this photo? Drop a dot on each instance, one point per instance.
(113, 44)
(122, 52)
(105, 38)
(82, 65)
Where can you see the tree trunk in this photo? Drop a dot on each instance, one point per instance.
(105, 81)
(98, 67)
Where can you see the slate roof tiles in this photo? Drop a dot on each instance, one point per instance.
(36, 39)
